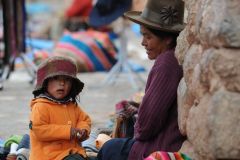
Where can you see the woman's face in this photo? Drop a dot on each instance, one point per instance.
(153, 44)
(59, 86)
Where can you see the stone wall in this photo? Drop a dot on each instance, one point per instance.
(209, 94)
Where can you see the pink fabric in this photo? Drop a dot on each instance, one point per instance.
(161, 155)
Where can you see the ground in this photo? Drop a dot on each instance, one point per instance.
(96, 99)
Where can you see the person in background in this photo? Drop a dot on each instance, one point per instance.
(156, 127)
(57, 125)
(77, 15)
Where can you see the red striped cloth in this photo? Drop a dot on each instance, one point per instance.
(91, 41)
(92, 50)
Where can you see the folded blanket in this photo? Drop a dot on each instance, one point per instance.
(92, 50)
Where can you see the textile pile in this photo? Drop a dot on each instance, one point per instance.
(16, 147)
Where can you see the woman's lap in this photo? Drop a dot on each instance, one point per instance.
(116, 149)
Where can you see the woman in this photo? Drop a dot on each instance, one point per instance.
(156, 128)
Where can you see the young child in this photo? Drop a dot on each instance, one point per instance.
(57, 124)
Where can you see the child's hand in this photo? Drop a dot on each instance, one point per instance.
(81, 134)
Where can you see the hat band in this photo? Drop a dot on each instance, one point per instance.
(167, 17)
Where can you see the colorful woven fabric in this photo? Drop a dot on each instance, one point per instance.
(125, 119)
(40, 55)
(161, 155)
(92, 50)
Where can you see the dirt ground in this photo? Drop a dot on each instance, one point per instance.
(97, 100)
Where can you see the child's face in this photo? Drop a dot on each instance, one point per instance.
(59, 86)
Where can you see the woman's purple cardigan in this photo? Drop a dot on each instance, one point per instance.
(157, 124)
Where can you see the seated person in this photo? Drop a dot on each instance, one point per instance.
(156, 127)
(76, 16)
(58, 125)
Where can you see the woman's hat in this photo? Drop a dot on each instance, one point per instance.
(55, 66)
(164, 15)
(106, 11)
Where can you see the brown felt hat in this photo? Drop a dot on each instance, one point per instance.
(164, 15)
(55, 66)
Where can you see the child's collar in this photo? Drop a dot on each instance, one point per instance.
(61, 101)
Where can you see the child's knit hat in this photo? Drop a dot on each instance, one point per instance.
(55, 66)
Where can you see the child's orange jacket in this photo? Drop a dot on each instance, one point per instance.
(50, 125)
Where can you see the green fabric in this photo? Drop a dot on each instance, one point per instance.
(185, 157)
(12, 139)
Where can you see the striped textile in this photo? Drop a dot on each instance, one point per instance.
(161, 155)
(92, 50)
